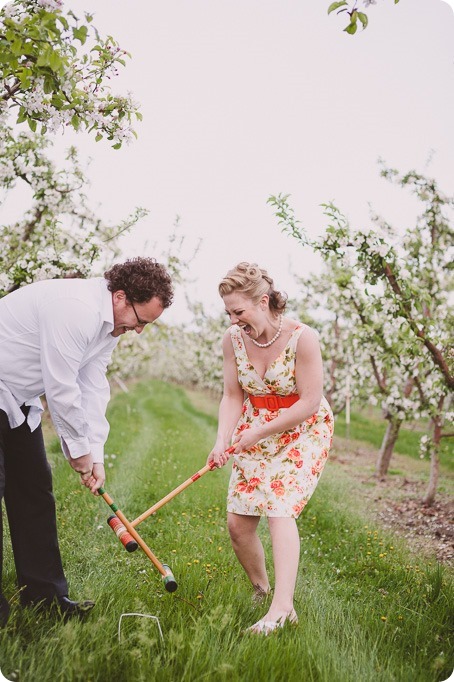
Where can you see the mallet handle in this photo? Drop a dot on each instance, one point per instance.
(172, 494)
(133, 532)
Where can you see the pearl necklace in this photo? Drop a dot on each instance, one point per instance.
(276, 336)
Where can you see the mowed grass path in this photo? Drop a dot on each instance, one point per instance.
(368, 610)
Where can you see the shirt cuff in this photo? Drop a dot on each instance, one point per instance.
(97, 452)
(75, 449)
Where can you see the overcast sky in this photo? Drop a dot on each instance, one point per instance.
(246, 98)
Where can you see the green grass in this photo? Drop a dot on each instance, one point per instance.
(369, 610)
(368, 426)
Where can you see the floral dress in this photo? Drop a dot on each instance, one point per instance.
(277, 476)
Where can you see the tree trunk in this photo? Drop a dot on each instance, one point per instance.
(429, 497)
(387, 446)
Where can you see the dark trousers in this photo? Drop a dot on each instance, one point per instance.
(26, 486)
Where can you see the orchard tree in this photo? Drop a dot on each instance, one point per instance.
(56, 72)
(362, 358)
(407, 280)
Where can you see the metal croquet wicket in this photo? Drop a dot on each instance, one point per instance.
(130, 538)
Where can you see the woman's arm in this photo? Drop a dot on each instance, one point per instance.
(231, 404)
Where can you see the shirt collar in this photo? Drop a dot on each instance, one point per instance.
(107, 305)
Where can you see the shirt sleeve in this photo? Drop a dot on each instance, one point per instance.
(95, 392)
(67, 327)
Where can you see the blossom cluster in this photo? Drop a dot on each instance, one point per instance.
(58, 70)
(59, 234)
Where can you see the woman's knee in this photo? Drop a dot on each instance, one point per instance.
(241, 528)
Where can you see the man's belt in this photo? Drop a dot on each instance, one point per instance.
(273, 402)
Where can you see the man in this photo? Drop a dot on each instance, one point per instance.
(56, 338)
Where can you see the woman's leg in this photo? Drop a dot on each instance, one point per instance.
(248, 548)
(286, 552)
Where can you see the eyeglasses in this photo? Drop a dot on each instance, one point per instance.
(140, 323)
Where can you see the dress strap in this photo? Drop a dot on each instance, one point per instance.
(294, 336)
(237, 342)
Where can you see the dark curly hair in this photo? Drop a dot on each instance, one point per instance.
(141, 279)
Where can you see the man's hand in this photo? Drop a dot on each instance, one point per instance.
(83, 465)
(92, 476)
(97, 479)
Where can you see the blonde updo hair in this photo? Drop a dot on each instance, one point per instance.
(250, 280)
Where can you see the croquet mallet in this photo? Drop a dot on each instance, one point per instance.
(170, 583)
(129, 537)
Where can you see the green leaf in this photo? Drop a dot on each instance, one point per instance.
(57, 101)
(43, 58)
(336, 5)
(116, 146)
(48, 85)
(16, 47)
(363, 19)
(55, 61)
(80, 34)
(98, 137)
(351, 28)
(63, 21)
(22, 115)
(75, 121)
(32, 123)
(24, 77)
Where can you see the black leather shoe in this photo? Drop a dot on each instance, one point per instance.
(4, 611)
(70, 608)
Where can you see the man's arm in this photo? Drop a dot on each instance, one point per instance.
(67, 327)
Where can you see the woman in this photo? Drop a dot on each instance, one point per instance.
(281, 426)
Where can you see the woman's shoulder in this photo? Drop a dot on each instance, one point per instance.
(302, 333)
(297, 327)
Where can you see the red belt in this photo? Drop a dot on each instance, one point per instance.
(273, 402)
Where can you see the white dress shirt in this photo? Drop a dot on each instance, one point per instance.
(55, 339)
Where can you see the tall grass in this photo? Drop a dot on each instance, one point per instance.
(368, 609)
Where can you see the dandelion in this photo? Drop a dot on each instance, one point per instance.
(383, 618)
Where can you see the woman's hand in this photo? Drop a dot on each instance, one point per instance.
(248, 438)
(219, 456)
